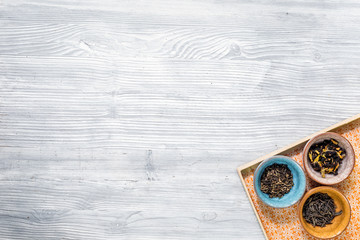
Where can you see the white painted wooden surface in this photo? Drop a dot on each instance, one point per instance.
(127, 119)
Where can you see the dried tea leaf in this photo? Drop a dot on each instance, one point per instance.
(276, 180)
(319, 209)
(325, 157)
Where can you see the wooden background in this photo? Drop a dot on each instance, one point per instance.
(127, 119)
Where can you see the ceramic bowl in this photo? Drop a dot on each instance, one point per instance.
(345, 167)
(296, 192)
(338, 224)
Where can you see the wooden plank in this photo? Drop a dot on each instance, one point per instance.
(303, 34)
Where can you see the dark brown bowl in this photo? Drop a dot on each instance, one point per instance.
(345, 167)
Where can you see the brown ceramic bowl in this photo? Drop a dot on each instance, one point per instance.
(345, 167)
(338, 224)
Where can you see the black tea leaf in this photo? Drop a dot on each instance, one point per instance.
(276, 180)
(319, 209)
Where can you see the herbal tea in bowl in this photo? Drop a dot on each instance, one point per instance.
(324, 212)
(279, 181)
(328, 158)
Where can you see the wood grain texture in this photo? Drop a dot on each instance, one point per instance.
(127, 120)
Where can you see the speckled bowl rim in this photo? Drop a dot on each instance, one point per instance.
(306, 150)
(313, 191)
(289, 159)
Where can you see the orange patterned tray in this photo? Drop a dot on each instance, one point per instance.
(283, 223)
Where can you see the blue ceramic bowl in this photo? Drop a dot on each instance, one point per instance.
(296, 192)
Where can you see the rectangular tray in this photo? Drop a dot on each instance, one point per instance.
(283, 224)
